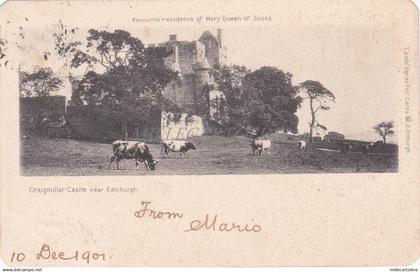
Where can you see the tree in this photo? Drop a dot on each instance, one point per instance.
(318, 97)
(384, 129)
(128, 86)
(271, 101)
(228, 80)
(65, 44)
(40, 83)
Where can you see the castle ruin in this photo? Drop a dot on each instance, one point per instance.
(193, 61)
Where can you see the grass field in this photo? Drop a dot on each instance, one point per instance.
(214, 155)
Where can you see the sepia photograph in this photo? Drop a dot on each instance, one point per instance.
(106, 101)
(209, 133)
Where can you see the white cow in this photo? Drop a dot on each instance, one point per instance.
(181, 146)
(258, 146)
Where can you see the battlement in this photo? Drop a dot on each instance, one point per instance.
(193, 60)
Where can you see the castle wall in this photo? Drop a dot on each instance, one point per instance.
(211, 50)
(183, 94)
(192, 60)
(188, 54)
(201, 79)
(171, 91)
(75, 93)
(181, 129)
(188, 58)
(188, 99)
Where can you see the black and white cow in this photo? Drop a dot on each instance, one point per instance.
(138, 151)
(181, 146)
(258, 146)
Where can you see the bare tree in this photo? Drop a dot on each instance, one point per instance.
(384, 129)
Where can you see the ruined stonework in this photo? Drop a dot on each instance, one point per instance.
(193, 60)
(186, 127)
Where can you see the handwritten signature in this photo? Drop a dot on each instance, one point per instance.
(205, 224)
(209, 223)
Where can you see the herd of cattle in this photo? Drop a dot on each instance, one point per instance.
(140, 152)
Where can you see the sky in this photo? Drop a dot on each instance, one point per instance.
(353, 61)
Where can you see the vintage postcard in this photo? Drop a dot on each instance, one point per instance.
(209, 133)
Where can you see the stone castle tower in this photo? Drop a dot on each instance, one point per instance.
(193, 60)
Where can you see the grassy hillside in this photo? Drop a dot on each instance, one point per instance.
(215, 155)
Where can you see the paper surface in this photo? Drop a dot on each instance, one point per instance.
(296, 203)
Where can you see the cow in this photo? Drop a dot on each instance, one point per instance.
(345, 148)
(181, 146)
(258, 146)
(302, 145)
(138, 151)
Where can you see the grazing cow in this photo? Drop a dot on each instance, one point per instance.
(138, 151)
(345, 148)
(302, 145)
(181, 146)
(258, 146)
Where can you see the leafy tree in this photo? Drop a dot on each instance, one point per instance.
(384, 129)
(40, 83)
(129, 84)
(271, 101)
(228, 80)
(264, 99)
(318, 97)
